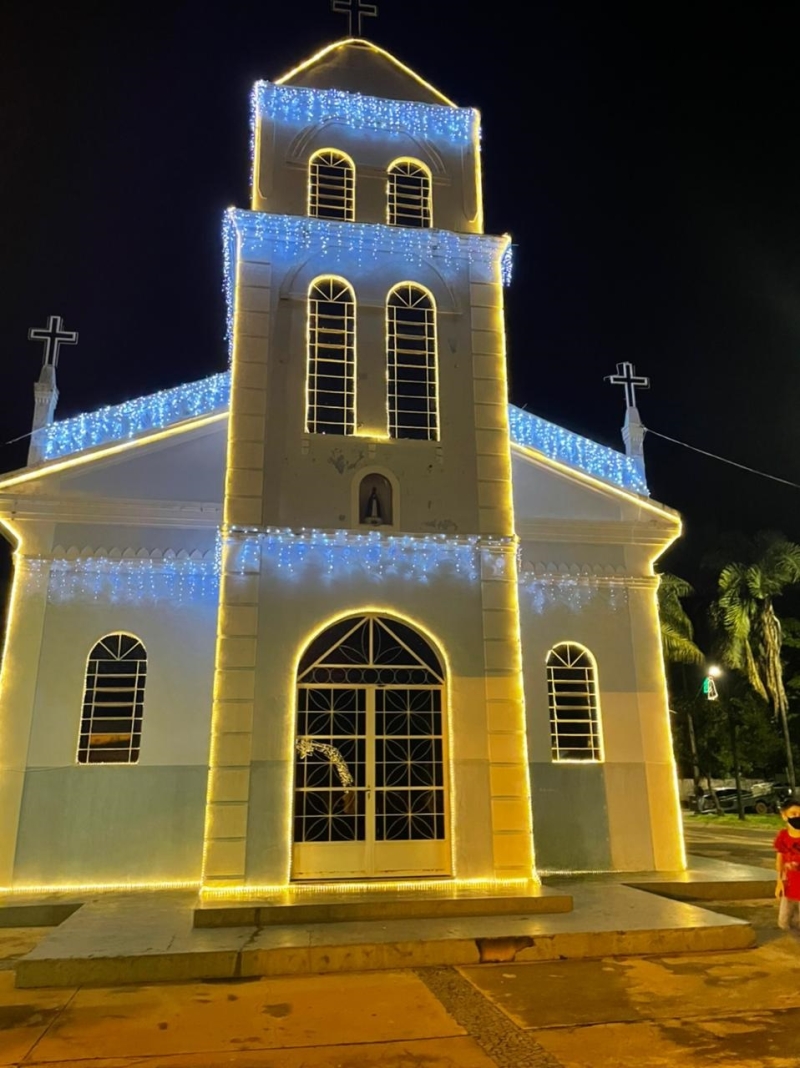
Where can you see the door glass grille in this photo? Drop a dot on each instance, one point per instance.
(369, 746)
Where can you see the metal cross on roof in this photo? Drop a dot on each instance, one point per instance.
(626, 376)
(345, 7)
(53, 336)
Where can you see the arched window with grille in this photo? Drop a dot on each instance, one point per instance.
(113, 701)
(331, 371)
(574, 704)
(409, 194)
(411, 357)
(331, 186)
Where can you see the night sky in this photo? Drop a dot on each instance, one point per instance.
(644, 157)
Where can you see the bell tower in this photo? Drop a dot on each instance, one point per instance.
(368, 478)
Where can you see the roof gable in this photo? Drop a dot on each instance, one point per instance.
(355, 65)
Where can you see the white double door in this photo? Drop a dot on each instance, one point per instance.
(370, 782)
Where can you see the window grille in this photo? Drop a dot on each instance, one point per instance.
(574, 706)
(331, 186)
(409, 194)
(369, 763)
(411, 343)
(330, 393)
(113, 701)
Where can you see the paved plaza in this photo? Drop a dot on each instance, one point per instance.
(733, 1009)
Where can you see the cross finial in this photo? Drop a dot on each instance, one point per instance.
(626, 376)
(345, 7)
(53, 336)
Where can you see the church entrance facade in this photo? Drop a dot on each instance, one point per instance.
(370, 780)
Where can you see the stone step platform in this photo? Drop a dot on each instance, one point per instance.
(311, 904)
(145, 938)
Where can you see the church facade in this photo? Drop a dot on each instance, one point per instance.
(339, 613)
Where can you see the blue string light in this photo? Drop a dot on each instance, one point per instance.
(134, 581)
(119, 422)
(193, 399)
(570, 448)
(346, 246)
(300, 106)
(344, 555)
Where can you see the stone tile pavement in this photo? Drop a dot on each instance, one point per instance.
(736, 1009)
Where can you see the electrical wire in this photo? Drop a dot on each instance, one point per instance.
(724, 460)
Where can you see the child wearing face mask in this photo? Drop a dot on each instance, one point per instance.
(787, 864)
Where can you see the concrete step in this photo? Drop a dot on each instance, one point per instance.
(308, 904)
(151, 938)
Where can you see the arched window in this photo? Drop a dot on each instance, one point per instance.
(411, 356)
(574, 705)
(113, 700)
(409, 194)
(331, 186)
(330, 387)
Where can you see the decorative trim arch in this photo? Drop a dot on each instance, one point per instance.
(574, 703)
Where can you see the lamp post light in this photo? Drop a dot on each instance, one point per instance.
(711, 691)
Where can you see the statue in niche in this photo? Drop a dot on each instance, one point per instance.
(375, 501)
(374, 515)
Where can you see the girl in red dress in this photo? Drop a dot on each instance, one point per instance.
(787, 864)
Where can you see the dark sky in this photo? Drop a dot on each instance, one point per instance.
(645, 158)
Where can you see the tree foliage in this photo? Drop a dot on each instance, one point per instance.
(677, 632)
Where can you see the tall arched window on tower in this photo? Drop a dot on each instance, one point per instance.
(409, 194)
(331, 186)
(574, 704)
(411, 356)
(113, 701)
(330, 386)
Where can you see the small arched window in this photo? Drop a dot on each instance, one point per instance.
(331, 186)
(411, 358)
(409, 194)
(113, 701)
(330, 386)
(574, 705)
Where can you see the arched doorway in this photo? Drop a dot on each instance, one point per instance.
(370, 794)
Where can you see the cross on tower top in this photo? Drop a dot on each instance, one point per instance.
(626, 376)
(53, 335)
(345, 7)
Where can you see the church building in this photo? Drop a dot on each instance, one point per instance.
(338, 612)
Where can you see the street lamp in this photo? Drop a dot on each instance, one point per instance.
(712, 694)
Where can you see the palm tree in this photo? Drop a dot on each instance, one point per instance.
(677, 640)
(677, 632)
(746, 613)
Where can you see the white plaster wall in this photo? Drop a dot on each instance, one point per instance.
(105, 823)
(189, 467)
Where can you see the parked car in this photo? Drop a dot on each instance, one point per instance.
(761, 803)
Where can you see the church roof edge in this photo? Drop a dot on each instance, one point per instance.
(210, 397)
(338, 50)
